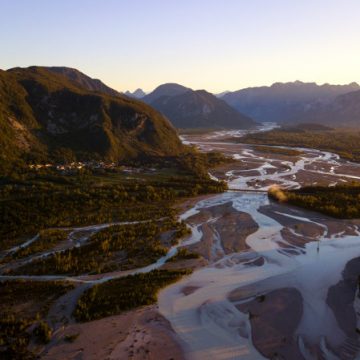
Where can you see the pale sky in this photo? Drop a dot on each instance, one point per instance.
(204, 44)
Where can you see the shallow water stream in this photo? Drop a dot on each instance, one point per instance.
(209, 320)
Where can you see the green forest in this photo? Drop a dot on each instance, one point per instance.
(45, 204)
(119, 247)
(118, 295)
(23, 304)
(344, 143)
(81, 158)
(341, 201)
(34, 201)
(276, 150)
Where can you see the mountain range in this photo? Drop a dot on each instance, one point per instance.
(58, 112)
(187, 108)
(47, 113)
(287, 102)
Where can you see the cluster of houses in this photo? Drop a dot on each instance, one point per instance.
(93, 165)
(75, 166)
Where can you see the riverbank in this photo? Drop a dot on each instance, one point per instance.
(236, 306)
(139, 334)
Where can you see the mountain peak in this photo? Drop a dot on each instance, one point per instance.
(187, 108)
(83, 80)
(168, 89)
(137, 94)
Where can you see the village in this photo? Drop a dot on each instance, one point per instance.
(73, 167)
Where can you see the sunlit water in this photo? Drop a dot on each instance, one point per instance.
(210, 326)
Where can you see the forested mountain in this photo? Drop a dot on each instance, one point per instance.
(45, 115)
(285, 102)
(187, 108)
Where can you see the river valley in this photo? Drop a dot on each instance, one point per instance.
(275, 281)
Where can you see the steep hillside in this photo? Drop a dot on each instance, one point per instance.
(344, 111)
(45, 115)
(187, 108)
(200, 109)
(283, 102)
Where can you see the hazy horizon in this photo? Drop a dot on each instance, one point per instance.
(147, 91)
(200, 44)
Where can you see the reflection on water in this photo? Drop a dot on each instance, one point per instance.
(212, 327)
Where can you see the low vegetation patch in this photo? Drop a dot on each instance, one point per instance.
(278, 151)
(42, 332)
(47, 240)
(23, 304)
(344, 143)
(119, 247)
(339, 201)
(71, 337)
(46, 199)
(184, 254)
(39, 200)
(118, 295)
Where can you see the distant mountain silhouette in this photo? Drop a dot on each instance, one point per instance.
(170, 89)
(283, 102)
(187, 108)
(137, 94)
(343, 111)
(220, 95)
